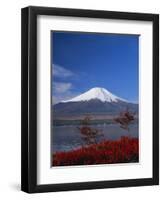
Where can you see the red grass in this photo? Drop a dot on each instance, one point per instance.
(123, 150)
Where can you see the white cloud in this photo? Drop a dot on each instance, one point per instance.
(61, 72)
(60, 87)
(62, 91)
(58, 98)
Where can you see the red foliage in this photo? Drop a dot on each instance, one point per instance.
(88, 134)
(124, 119)
(123, 150)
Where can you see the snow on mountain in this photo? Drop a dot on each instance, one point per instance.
(97, 93)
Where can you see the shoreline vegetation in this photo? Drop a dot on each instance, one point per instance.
(94, 151)
(124, 150)
(60, 122)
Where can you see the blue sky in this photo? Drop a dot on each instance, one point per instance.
(81, 61)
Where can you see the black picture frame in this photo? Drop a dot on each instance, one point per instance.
(29, 99)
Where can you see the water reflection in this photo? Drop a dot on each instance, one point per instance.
(65, 138)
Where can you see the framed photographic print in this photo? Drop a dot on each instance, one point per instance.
(90, 99)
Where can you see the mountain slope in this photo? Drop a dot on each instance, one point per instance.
(96, 93)
(97, 101)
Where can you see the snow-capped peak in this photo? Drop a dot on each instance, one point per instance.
(96, 93)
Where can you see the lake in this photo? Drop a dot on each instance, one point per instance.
(65, 138)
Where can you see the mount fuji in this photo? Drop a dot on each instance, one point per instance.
(96, 101)
(96, 93)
